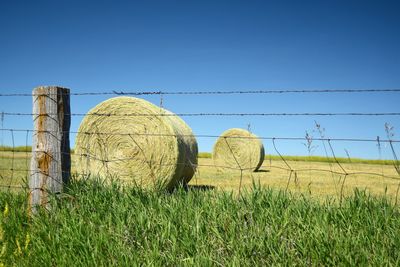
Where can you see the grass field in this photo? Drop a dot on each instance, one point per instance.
(102, 225)
(313, 178)
(322, 219)
(317, 178)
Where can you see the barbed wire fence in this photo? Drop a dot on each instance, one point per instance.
(15, 169)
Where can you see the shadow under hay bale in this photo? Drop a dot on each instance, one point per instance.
(200, 187)
(262, 170)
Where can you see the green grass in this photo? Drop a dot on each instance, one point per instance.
(317, 159)
(96, 224)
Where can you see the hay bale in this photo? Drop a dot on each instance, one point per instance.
(151, 151)
(238, 148)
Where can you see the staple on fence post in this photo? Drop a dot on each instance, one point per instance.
(51, 159)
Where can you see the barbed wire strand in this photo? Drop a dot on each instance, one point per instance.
(216, 114)
(215, 92)
(209, 136)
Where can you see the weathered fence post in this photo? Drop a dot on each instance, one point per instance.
(51, 159)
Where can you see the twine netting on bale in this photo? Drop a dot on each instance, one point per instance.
(238, 149)
(142, 148)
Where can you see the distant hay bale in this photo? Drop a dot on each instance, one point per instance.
(239, 149)
(135, 144)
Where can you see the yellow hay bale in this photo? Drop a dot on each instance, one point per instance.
(239, 149)
(135, 144)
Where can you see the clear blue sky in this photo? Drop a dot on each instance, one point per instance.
(91, 46)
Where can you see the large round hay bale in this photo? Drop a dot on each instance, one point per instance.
(135, 144)
(238, 149)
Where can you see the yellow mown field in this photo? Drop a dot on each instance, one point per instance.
(320, 179)
(307, 177)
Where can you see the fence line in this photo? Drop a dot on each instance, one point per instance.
(291, 171)
(11, 180)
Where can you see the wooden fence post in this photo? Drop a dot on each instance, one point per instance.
(51, 159)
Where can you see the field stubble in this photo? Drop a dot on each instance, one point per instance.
(317, 179)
